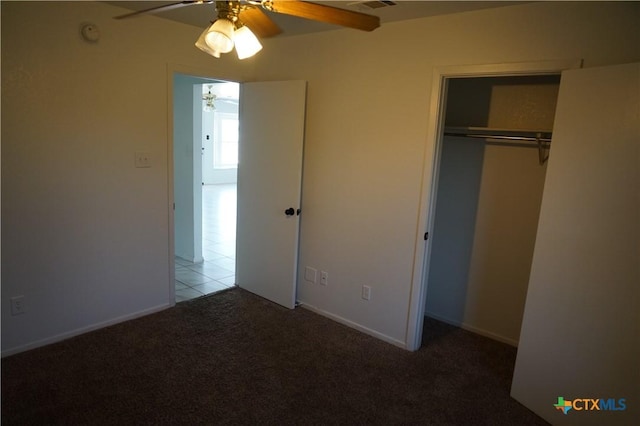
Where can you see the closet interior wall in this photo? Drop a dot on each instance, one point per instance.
(487, 205)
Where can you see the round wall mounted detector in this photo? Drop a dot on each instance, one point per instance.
(90, 32)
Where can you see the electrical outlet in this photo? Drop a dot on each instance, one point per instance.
(17, 305)
(143, 159)
(366, 292)
(310, 274)
(324, 278)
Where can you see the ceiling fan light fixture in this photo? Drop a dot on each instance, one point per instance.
(202, 45)
(219, 36)
(246, 42)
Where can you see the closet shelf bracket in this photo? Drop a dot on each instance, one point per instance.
(542, 156)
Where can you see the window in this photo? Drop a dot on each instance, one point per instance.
(225, 143)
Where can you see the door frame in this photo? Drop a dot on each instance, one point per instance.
(431, 169)
(194, 71)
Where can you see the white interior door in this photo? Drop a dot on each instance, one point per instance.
(580, 331)
(269, 183)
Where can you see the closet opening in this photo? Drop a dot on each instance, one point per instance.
(495, 140)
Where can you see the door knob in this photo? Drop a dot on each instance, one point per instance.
(290, 211)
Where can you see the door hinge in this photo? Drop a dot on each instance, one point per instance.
(426, 236)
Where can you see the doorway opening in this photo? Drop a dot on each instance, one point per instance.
(205, 119)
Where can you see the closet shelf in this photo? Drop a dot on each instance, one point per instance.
(540, 139)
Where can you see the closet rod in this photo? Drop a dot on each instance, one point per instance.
(533, 139)
(501, 137)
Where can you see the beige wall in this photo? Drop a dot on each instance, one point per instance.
(85, 235)
(368, 106)
(509, 202)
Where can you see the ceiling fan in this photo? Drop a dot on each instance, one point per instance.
(239, 22)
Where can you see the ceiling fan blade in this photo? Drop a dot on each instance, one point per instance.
(162, 8)
(261, 25)
(328, 14)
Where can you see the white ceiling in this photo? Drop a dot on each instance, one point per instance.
(200, 15)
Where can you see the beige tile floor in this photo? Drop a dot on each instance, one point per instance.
(217, 272)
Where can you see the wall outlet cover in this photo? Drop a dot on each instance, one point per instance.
(17, 305)
(310, 274)
(142, 159)
(366, 292)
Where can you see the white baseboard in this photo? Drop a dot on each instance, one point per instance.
(194, 260)
(64, 336)
(473, 329)
(355, 325)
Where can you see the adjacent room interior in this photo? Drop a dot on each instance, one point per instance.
(205, 224)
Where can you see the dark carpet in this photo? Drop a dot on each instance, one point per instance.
(234, 358)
